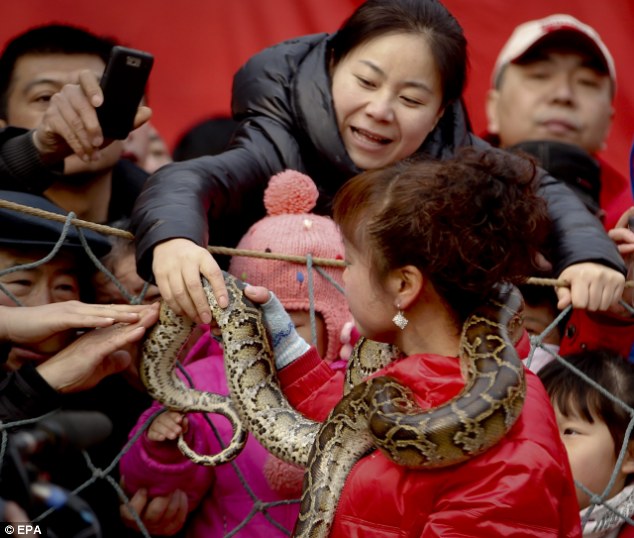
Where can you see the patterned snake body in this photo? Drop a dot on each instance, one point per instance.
(158, 374)
(377, 412)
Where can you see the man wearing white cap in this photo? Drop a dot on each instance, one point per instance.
(554, 80)
(553, 86)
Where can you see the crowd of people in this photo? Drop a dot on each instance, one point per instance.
(355, 147)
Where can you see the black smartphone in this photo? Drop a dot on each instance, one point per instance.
(123, 85)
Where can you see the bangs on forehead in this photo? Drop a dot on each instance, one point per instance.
(577, 400)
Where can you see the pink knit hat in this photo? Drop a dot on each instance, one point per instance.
(290, 229)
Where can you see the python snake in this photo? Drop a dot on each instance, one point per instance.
(157, 370)
(377, 412)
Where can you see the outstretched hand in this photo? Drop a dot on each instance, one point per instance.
(257, 294)
(70, 123)
(178, 265)
(34, 324)
(623, 235)
(167, 427)
(96, 354)
(162, 515)
(288, 345)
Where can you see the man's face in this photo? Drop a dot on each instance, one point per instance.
(35, 79)
(54, 281)
(557, 96)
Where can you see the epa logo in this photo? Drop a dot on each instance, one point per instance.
(18, 530)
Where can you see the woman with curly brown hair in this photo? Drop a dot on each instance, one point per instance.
(428, 244)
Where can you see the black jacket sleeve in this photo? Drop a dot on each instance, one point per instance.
(193, 198)
(24, 394)
(221, 195)
(21, 168)
(577, 235)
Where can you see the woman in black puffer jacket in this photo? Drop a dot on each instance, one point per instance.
(386, 86)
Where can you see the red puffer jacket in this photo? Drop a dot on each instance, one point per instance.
(521, 487)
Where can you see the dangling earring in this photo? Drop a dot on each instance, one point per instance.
(400, 320)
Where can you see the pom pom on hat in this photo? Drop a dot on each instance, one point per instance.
(290, 193)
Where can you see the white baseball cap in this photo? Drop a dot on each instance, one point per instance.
(529, 34)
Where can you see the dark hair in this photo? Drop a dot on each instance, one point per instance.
(430, 18)
(208, 137)
(544, 296)
(571, 394)
(48, 39)
(467, 223)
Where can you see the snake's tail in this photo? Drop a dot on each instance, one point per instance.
(212, 403)
(224, 456)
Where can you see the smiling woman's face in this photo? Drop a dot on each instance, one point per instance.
(387, 95)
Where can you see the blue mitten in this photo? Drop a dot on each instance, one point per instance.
(288, 345)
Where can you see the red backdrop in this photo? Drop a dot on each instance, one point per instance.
(199, 44)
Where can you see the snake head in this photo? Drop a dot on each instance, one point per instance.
(234, 285)
(235, 288)
(237, 302)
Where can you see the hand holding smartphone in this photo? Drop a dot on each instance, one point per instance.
(123, 85)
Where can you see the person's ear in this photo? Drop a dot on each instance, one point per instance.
(627, 467)
(606, 129)
(440, 114)
(406, 284)
(492, 101)
(3, 123)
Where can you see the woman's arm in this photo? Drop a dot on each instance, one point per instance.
(578, 236)
(194, 199)
(581, 251)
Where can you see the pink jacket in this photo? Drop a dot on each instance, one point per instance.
(224, 502)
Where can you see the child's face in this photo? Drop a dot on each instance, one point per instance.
(301, 320)
(124, 270)
(537, 318)
(591, 453)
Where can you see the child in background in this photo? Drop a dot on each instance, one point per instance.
(154, 463)
(121, 263)
(593, 428)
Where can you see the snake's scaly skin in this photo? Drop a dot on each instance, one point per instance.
(157, 371)
(377, 412)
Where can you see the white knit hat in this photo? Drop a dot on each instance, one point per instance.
(529, 34)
